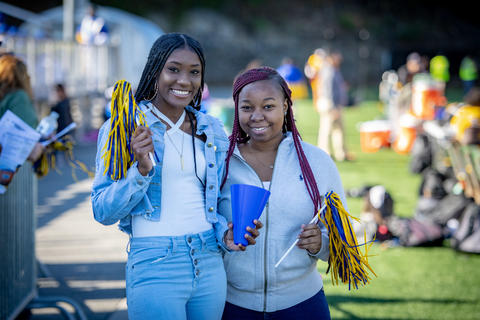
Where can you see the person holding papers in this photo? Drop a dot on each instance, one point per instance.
(16, 95)
(18, 120)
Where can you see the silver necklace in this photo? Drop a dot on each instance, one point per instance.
(180, 153)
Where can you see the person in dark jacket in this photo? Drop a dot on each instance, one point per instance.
(62, 107)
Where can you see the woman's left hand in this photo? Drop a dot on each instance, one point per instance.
(310, 238)
(250, 238)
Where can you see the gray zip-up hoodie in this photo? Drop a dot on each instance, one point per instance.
(253, 281)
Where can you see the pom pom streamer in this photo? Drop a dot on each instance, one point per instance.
(48, 159)
(118, 154)
(346, 262)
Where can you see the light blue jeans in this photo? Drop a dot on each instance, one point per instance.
(175, 278)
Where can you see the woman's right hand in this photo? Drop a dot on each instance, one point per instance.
(142, 144)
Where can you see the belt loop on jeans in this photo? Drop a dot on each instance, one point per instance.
(173, 244)
(204, 241)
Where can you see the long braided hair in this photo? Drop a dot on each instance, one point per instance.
(239, 136)
(159, 53)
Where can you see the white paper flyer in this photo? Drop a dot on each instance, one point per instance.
(17, 139)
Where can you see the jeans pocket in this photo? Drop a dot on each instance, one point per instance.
(148, 257)
(144, 264)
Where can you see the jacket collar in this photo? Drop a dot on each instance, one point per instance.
(149, 117)
(202, 119)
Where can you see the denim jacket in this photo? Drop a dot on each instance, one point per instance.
(135, 194)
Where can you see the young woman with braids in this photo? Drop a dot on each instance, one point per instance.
(266, 150)
(174, 268)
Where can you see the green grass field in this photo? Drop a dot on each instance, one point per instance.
(412, 283)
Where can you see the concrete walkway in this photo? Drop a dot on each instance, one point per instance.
(79, 258)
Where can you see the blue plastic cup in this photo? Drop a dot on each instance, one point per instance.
(248, 203)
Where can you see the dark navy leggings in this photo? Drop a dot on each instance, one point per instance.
(314, 308)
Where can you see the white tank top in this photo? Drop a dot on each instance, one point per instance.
(183, 196)
(266, 185)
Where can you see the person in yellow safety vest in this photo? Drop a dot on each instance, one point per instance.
(468, 73)
(439, 69)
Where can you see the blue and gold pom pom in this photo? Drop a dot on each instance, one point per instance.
(126, 116)
(346, 262)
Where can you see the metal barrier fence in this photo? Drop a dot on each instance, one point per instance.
(17, 243)
(83, 69)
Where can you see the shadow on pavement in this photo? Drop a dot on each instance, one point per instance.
(92, 286)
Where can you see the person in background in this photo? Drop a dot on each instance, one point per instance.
(206, 99)
(93, 29)
(468, 73)
(16, 95)
(439, 66)
(294, 78)
(62, 107)
(332, 99)
(174, 268)
(266, 150)
(412, 66)
(312, 72)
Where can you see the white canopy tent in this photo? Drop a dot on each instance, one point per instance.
(132, 35)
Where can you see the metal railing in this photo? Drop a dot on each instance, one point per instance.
(83, 69)
(17, 243)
